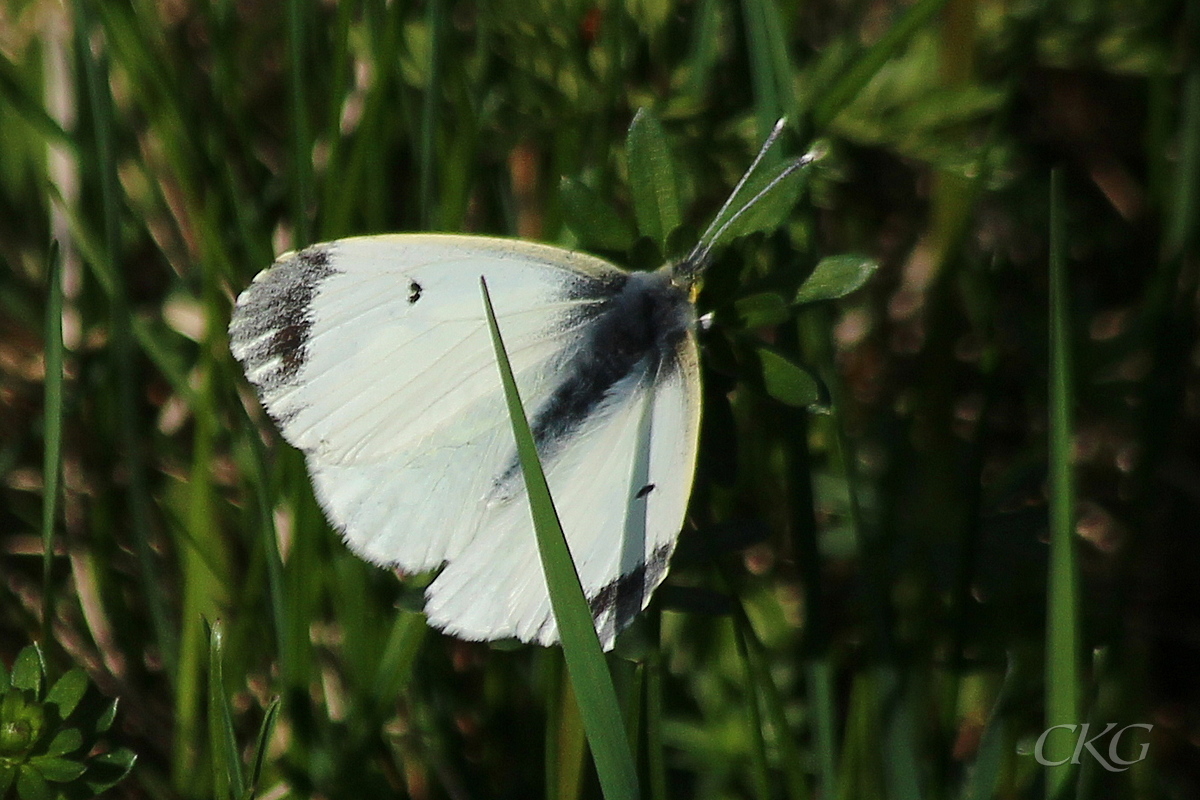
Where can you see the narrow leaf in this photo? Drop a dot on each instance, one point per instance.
(108, 769)
(870, 62)
(652, 178)
(1062, 600)
(835, 276)
(260, 748)
(226, 762)
(52, 427)
(581, 646)
(105, 720)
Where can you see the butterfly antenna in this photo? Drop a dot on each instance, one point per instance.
(691, 267)
(772, 137)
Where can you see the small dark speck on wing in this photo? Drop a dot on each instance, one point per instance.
(414, 292)
(645, 490)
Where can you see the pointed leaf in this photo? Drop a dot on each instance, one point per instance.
(27, 670)
(787, 382)
(108, 769)
(105, 720)
(68, 691)
(65, 741)
(835, 276)
(59, 770)
(652, 180)
(597, 224)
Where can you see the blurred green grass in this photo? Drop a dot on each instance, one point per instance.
(859, 605)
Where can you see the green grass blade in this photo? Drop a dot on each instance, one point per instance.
(18, 97)
(1182, 224)
(435, 19)
(788, 752)
(396, 666)
(586, 666)
(96, 77)
(566, 742)
(770, 65)
(228, 780)
(984, 773)
(705, 49)
(298, 14)
(52, 426)
(265, 730)
(759, 774)
(1062, 601)
(821, 694)
(870, 62)
(656, 762)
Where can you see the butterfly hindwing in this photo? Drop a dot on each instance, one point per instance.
(621, 490)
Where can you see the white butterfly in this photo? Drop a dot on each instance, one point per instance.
(373, 356)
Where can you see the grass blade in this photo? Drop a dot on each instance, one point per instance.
(875, 57)
(435, 19)
(770, 65)
(265, 730)
(226, 763)
(52, 425)
(298, 13)
(759, 773)
(1062, 600)
(96, 76)
(586, 666)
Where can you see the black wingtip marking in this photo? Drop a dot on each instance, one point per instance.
(274, 316)
(626, 596)
(414, 292)
(645, 490)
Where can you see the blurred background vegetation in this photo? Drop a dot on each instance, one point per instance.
(859, 607)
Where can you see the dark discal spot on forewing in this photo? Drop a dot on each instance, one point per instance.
(626, 596)
(645, 490)
(270, 326)
(414, 292)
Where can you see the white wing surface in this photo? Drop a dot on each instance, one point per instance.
(373, 356)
